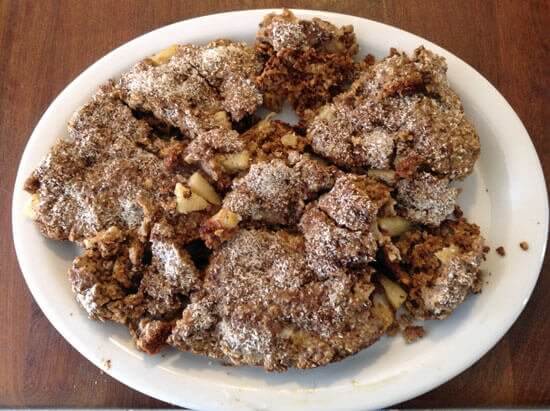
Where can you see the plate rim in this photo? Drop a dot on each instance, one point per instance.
(137, 384)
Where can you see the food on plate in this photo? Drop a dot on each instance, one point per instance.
(400, 114)
(306, 62)
(425, 198)
(444, 267)
(524, 245)
(208, 228)
(195, 88)
(261, 305)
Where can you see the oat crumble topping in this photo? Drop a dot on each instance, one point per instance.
(249, 240)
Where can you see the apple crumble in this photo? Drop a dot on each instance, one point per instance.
(207, 228)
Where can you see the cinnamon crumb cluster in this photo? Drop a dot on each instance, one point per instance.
(249, 240)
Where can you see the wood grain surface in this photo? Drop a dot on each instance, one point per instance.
(45, 44)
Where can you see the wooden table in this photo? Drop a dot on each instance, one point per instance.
(45, 44)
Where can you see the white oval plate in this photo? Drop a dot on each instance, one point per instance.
(506, 196)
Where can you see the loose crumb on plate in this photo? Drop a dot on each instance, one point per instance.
(413, 333)
(500, 251)
(524, 245)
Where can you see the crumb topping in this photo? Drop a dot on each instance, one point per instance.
(306, 62)
(253, 241)
(426, 199)
(354, 201)
(263, 306)
(275, 193)
(112, 283)
(417, 120)
(231, 67)
(444, 266)
(331, 249)
(195, 85)
(74, 183)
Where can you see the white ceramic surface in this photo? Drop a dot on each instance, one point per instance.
(506, 196)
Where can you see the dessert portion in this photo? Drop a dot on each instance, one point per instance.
(306, 62)
(195, 88)
(275, 192)
(231, 68)
(338, 228)
(111, 282)
(442, 266)
(272, 193)
(100, 176)
(220, 153)
(425, 198)
(253, 241)
(261, 305)
(400, 114)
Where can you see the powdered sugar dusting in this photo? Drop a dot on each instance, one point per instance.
(273, 310)
(402, 104)
(426, 199)
(287, 35)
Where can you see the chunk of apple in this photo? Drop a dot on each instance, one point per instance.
(396, 295)
(188, 201)
(199, 185)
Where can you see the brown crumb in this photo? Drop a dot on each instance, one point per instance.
(393, 330)
(369, 60)
(404, 320)
(524, 245)
(410, 332)
(500, 251)
(486, 249)
(413, 333)
(107, 364)
(458, 212)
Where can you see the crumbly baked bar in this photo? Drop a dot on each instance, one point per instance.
(195, 88)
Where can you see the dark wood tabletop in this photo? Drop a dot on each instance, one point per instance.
(46, 44)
